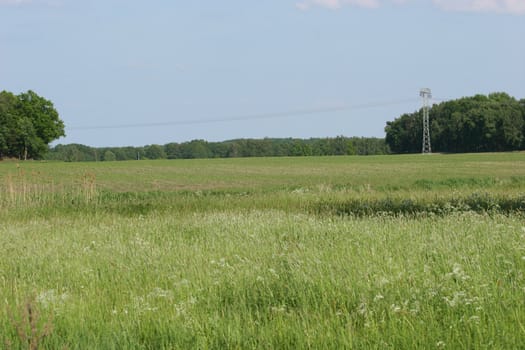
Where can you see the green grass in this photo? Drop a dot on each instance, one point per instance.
(378, 173)
(267, 253)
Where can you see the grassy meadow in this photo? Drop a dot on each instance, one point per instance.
(378, 252)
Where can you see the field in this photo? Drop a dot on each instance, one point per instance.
(388, 252)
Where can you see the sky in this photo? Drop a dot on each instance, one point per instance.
(136, 72)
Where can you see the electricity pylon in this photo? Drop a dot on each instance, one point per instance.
(426, 94)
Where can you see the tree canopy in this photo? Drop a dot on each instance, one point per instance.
(268, 147)
(28, 123)
(480, 123)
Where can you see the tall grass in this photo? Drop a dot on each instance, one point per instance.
(376, 252)
(268, 279)
(481, 194)
(23, 190)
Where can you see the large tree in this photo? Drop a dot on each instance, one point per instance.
(28, 123)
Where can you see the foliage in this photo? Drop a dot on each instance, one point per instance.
(480, 123)
(28, 123)
(154, 152)
(194, 149)
(109, 156)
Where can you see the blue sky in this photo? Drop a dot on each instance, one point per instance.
(130, 72)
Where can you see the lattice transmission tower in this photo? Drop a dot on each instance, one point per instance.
(426, 94)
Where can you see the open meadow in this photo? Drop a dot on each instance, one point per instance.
(388, 252)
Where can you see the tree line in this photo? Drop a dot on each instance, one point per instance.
(28, 123)
(492, 123)
(267, 147)
(479, 123)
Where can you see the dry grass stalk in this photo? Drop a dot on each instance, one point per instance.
(28, 328)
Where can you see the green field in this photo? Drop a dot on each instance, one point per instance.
(399, 252)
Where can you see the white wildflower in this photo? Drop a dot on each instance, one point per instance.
(378, 297)
(458, 273)
(50, 297)
(140, 305)
(160, 293)
(457, 299)
(362, 309)
(395, 308)
(180, 309)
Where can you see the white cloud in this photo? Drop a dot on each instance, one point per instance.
(495, 6)
(335, 4)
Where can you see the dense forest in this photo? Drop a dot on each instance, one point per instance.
(227, 149)
(480, 123)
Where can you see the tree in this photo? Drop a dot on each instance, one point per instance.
(28, 124)
(109, 156)
(43, 115)
(7, 122)
(404, 134)
(154, 152)
(172, 150)
(266, 147)
(195, 149)
(369, 145)
(341, 146)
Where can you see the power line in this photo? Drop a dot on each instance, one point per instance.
(274, 115)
